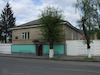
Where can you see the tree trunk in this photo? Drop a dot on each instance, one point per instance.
(5, 39)
(87, 39)
(51, 52)
(89, 53)
(86, 36)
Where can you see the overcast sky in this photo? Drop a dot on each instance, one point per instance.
(28, 10)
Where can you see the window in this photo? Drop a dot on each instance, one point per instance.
(25, 35)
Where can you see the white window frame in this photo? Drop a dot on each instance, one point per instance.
(24, 35)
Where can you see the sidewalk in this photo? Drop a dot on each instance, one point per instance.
(62, 58)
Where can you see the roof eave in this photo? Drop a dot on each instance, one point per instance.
(24, 27)
(66, 23)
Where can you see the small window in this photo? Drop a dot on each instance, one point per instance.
(25, 35)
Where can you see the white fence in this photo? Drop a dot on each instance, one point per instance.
(79, 48)
(5, 48)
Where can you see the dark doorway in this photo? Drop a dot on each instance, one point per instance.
(39, 50)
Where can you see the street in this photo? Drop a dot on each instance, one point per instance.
(20, 66)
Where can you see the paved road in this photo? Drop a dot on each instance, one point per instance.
(19, 66)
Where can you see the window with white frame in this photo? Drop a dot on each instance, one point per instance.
(25, 35)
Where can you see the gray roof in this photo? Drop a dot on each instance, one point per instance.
(31, 23)
(34, 23)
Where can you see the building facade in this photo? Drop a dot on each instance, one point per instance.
(27, 38)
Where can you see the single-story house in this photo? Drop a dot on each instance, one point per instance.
(26, 39)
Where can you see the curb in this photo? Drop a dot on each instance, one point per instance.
(45, 58)
(26, 57)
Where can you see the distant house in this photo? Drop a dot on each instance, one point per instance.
(26, 39)
(94, 36)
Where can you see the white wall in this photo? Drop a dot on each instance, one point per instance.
(5, 48)
(79, 48)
